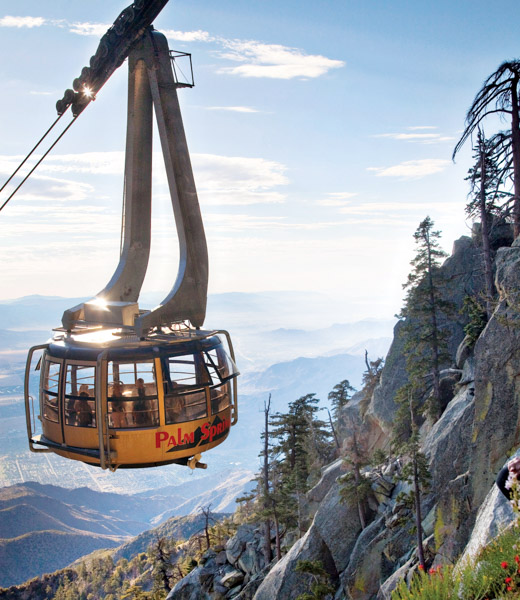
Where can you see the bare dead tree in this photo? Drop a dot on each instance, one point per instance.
(336, 440)
(268, 552)
(206, 511)
(499, 95)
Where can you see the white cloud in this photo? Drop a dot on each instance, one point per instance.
(35, 93)
(412, 169)
(96, 163)
(230, 180)
(241, 109)
(426, 138)
(238, 180)
(42, 189)
(9, 21)
(274, 61)
(371, 208)
(258, 59)
(221, 223)
(418, 127)
(188, 36)
(96, 29)
(336, 198)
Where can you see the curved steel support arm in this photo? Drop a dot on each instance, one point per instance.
(152, 83)
(187, 299)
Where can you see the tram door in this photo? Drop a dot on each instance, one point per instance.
(52, 420)
(79, 405)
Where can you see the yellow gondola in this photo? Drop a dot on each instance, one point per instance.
(115, 402)
(121, 387)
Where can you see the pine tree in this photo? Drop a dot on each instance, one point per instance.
(162, 554)
(425, 316)
(301, 444)
(320, 587)
(339, 396)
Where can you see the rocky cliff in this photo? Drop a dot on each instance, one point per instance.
(465, 447)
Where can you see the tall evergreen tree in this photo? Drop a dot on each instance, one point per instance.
(301, 444)
(162, 554)
(425, 316)
(339, 396)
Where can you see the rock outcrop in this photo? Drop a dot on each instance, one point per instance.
(465, 448)
(461, 274)
(235, 571)
(496, 429)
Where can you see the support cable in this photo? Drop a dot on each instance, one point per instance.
(38, 163)
(30, 153)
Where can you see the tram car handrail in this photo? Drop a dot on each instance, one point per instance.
(29, 408)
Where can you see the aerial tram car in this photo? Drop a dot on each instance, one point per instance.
(121, 387)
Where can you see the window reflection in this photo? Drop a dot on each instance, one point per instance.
(185, 407)
(220, 398)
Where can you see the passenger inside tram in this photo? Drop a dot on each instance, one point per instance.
(141, 415)
(82, 408)
(118, 405)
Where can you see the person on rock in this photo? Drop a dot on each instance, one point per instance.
(508, 476)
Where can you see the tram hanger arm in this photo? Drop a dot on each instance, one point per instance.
(152, 83)
(113, 49)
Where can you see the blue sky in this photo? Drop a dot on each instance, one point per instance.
(321, 135)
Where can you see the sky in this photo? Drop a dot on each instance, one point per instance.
(320, 133)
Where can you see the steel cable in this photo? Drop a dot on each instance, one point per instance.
(30, 153)
(38, 163)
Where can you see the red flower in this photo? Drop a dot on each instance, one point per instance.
(508, 580)
(421, 567)
(504, 565)
(509, 588)
(517, 559)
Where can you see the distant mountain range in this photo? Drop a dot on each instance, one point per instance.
(32, 573)
(45, 527)
(41, 534)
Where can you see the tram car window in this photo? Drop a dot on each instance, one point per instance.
(50, 391)
(184, 393)
(132, 395)
(80, 399)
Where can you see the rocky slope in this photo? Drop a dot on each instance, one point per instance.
(466, 447)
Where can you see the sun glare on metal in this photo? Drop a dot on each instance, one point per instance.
(88, 92)
(99, 303)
